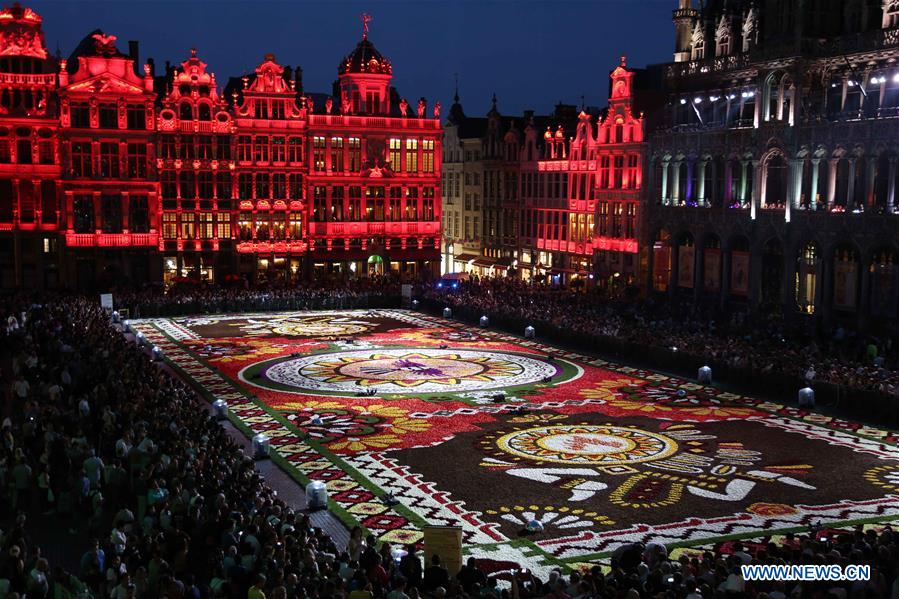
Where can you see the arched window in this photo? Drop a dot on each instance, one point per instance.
(884, 275)
(807, 277)
(723, 44)
(775, 177)
(185, 112)
(205, 113)
(661, 261)
(845, 278)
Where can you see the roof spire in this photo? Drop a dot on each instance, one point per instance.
(366, 19)
(493, 100)
(456, 95)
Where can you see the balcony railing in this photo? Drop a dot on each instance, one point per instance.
(369, 229)
(719, 64)
(374, 122)
(112, 239)
(28, 79)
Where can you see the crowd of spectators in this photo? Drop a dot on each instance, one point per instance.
(192, 298)
(113, 462)
(761, 344)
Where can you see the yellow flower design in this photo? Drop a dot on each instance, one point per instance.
(369, 442)
(608, 389)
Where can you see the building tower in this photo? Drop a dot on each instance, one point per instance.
(684, 18)
(364, 76)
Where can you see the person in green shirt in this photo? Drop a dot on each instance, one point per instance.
(257, 591)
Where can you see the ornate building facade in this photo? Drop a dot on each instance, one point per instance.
(558, 200)
(773, 168)
(30, 171)
(109, 174)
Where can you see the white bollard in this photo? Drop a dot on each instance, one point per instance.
(705, 375)
(806, 397)
(485, 322)
(447, 313)
(529, 332)
(316, 495)
(220, 409)
(260, 447)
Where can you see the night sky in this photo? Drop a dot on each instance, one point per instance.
(532, 54)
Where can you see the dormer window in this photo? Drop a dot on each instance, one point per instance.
(890, 14)
(697, 43)
(723, 44)
(722, 37)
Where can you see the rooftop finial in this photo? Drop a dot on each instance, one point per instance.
(366, 19)
(456, 95)
(623, 60)
(493, 100)
(193, 52)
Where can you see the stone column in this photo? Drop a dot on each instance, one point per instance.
(689, 192)
(891, 185)
(850, 189)
(754, 199)
(675, 184)
(700, 182)
(743, 165)
(831, 182)
(665, 196)
(813, 199)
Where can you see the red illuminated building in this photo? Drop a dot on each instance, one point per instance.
(582, 193)
(110, 175)
(30, 213)
(373, 184)
(109, 194)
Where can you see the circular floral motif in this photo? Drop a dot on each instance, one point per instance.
(771, 509)
(402, 371)
(604, 445)
(318, 326)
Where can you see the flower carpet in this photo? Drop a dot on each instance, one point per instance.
(479, 429)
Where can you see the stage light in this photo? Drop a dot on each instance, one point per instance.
(439, 285)
(683, 101)
(896, 78)
(731, 96)
(714, 98)
(455, 285)
(697, 100)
